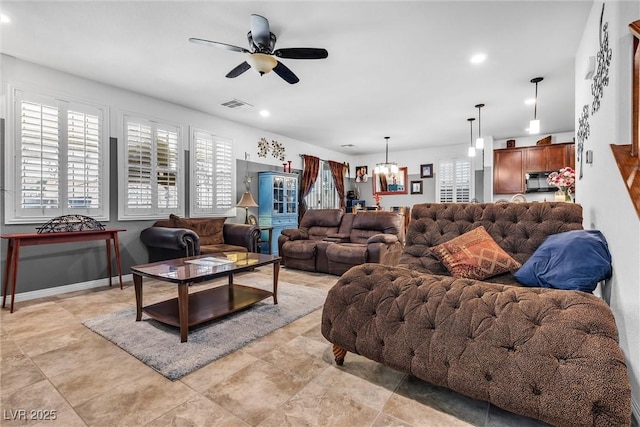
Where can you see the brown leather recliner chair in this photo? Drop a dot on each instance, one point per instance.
(298, 247)
(373, 236)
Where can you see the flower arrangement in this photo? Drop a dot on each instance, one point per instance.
(377, 198)
(565, 180)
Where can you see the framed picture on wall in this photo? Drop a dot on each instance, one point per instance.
(361, 173)
(426, 171)
(416, 187)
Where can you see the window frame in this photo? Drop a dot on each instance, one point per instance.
(317, 195)
(127, 213)
(441, 176)
(226, 144)
(14, 213)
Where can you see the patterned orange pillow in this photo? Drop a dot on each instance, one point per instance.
(209, 230)
(474, 255)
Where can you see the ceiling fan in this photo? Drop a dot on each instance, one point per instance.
(261, 56)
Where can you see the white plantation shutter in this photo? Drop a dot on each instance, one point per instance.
(83, 161)
(454, 181)
(212, 180)
(153, 176)
(39, 157)
(59, 153)
(446, 181)
(139, 158)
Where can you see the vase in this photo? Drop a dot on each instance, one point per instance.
(563, 195)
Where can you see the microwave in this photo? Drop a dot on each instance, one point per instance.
(536, 182)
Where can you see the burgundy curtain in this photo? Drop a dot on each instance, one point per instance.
(309, 176)
(337, 172)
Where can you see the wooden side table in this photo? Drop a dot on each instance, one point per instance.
(32, 239)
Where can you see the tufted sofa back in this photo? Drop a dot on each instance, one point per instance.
(519, 228)
(368, 223)
(319, 223)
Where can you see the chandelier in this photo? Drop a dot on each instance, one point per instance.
(387, 167)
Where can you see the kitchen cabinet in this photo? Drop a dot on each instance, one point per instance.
(278, 203)
(508, 175)
(549, 157)
(511, 164)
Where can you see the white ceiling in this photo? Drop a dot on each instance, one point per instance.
(398, 69)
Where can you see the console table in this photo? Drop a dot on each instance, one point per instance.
(32, 239)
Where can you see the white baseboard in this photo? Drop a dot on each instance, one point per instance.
(41, 293)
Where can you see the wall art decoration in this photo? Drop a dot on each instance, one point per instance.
(263, 147)
(426, 171)
(362, 174)
(583, 133)
(277, 149)
(603, 61)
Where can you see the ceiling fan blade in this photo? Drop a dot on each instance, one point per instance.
(301, 53)
(238, 70)
(260, 31)
(218, 44)
(281, 70)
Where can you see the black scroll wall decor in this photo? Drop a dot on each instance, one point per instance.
(599, 81)
(603, 61)
(583, 133)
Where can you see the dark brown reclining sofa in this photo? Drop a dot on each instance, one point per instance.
(543, 353)
(330, 241)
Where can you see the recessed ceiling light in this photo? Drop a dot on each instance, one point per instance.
(478, 58)
(4, 19)
(530, 101)
(264, 113)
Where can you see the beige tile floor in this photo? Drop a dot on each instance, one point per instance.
(52, 364)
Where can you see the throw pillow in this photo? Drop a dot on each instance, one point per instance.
(208, 230)
(575, 260)
(474, 255)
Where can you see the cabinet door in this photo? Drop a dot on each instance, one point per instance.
(508, 174)
(557, 157)
(535, 159)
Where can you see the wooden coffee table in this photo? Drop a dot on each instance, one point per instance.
(198, 307)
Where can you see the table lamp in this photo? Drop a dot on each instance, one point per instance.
(247, 202)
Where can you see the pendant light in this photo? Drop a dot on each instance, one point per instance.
(479, 139)
(534, 125)
(387, 167)
(472, 149)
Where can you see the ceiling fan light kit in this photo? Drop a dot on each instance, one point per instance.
(534, 125)
(262, 56)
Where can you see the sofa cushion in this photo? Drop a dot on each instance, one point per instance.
(209, 230)
(474, 255)
(575, 260)
(219, 248)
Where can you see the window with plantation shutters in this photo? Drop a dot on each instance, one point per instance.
(454, 181)
(57, 159)
(212, 180)
(153, 177)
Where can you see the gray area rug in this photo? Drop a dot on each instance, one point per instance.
(159, 346)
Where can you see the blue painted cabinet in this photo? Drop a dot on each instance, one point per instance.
(278, 200)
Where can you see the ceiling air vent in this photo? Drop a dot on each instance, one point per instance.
(236, 104)
(347, 145)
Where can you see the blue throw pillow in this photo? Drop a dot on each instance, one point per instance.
(571, 260)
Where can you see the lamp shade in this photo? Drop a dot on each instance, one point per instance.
(534, 127)
(247, 201)
(261, 62)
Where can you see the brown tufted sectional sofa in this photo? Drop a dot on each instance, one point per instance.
(548, 354)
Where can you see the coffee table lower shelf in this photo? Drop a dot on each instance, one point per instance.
(208, 304)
